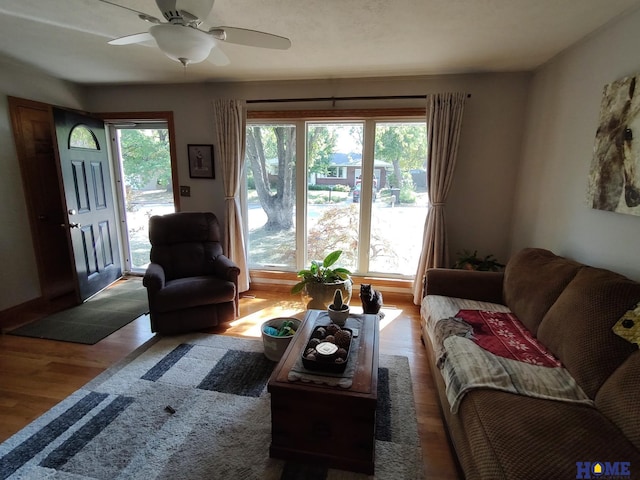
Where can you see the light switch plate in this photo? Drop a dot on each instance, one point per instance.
(185, 191)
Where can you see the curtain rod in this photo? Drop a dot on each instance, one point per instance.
(334, 99)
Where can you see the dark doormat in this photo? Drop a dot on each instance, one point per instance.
(95, 319)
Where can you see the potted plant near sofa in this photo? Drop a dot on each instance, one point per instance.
(321, 280)
(470, 261)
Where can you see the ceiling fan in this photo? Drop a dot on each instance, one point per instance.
(181, 39)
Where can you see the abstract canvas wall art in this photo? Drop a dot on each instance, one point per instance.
(614, 177)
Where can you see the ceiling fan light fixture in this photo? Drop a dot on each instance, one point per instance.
(182, 44)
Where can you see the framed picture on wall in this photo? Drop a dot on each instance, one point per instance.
(614, 183)
(201, 164)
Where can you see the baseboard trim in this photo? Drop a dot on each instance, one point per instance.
(8, 317)
(35, 309)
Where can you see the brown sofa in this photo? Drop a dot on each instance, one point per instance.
(571, 309)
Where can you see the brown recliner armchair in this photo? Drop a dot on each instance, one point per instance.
(190, 284)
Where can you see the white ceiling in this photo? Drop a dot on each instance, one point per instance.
(330, 38)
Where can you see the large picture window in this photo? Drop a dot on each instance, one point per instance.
(350, 183)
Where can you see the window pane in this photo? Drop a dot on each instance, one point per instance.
(271, 181)
(398, 214)
(334, 154)
(82, 137)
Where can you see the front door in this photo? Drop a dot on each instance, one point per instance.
(91, 215)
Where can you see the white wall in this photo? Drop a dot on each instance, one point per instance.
(18, 275)
(193, 121)
(480, 207)
(551, 209)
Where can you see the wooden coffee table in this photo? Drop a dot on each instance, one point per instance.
(324, 424)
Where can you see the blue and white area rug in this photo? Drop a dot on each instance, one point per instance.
(194, 407)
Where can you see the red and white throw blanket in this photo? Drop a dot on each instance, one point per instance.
(504, 335)
(483, 349)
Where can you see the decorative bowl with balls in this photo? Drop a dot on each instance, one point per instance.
(328, 348)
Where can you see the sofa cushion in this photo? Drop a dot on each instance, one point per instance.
(618, 398)
(470, 284)
(532, 439)
(533, 280)
(577, 328)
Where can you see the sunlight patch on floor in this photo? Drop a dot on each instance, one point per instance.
(250, 325)
(390, 314)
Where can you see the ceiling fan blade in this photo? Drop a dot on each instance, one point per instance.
(144, 16)
(218, 57)
(149, 18)
(250, 38)
(129, 39)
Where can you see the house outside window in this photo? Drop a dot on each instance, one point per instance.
(314, 186)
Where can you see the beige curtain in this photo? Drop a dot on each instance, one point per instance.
(444, 122)
(230, 121)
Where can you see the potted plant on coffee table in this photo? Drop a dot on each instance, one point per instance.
(338, 310)
(320, 281)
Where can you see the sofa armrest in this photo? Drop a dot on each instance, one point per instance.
(470, 284)
(154, 277)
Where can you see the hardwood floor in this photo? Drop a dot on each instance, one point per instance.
(36, 374)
